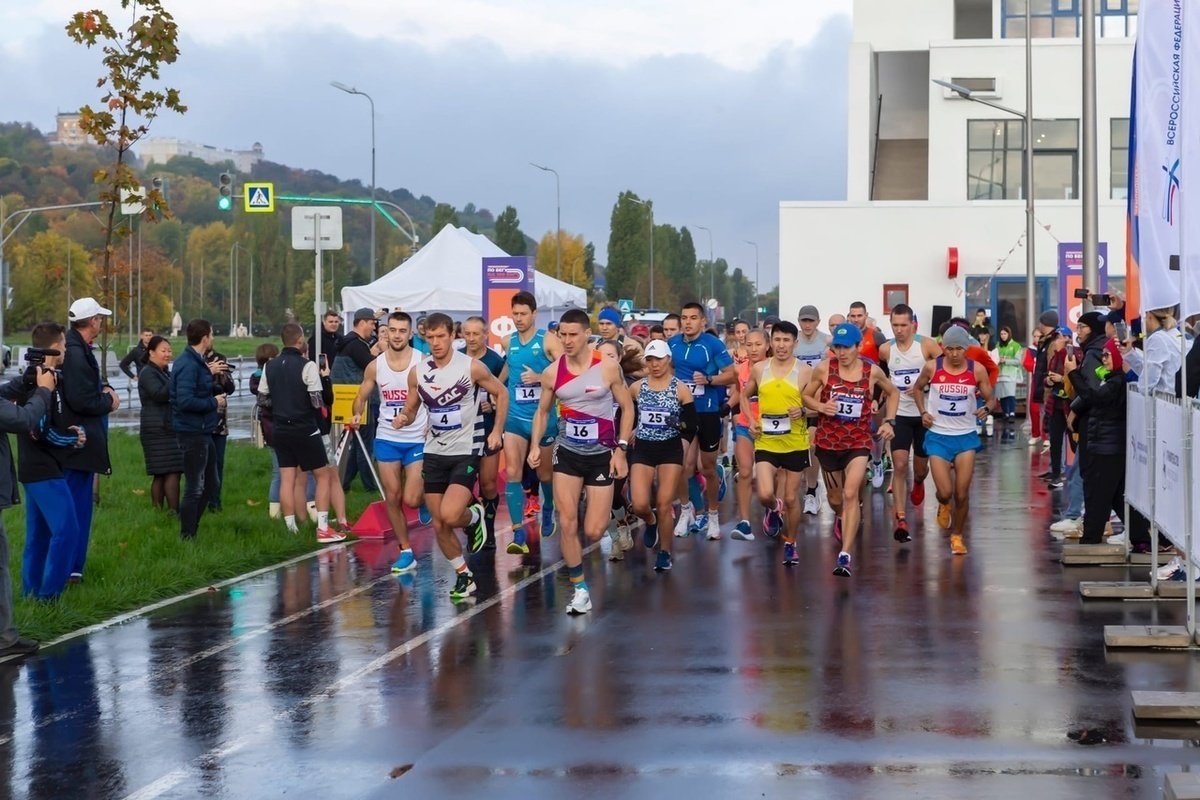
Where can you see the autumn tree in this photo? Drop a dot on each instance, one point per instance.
(133, 58)
(574, 259)
(509, 237)
(42, 272)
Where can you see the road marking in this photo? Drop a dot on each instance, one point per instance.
(174, 778)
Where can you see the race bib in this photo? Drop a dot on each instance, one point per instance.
(582, 431)
(905, 378)
(697, 389)
(952, 405)
(445, 418)
(529, 393)
(776, 424)
(654, 418)
(812, 360)
(849, 407)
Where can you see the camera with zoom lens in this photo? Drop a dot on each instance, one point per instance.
(35, 357)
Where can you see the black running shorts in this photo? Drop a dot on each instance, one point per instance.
(910, 435)
(593, 469)
(442, 472)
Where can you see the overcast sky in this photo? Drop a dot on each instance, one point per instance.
(714, 110)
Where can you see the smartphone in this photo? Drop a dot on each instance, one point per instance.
(1081, 294)
(1102, 300)
(323, 361)
(1122, 331)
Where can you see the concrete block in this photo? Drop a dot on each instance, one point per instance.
(1115, 590)
(1182, 786)
(1093, 554)
(1174, 590)
(1147, 636)
(1169, 729)
(1166, 705)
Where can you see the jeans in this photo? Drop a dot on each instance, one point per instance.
(1008, 406)
(51, 531)
(219, 442)
(200, 478)
(8, 634)
(81, 485)
(1074, 491)
(1057, 434)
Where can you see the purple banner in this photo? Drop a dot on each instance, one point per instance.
(1070, 278)
(503, 277)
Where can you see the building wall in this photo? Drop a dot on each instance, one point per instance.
(903, 24)
(161, 150)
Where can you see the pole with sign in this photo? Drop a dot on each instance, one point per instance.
(317, 228)
(503, 277)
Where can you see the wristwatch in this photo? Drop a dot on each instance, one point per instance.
(623, 445)
(891, 422)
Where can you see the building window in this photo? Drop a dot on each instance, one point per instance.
(995, 159)
(1119, 158)
(1060, 18)
(894, 294)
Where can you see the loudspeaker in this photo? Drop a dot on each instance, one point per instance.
(941, 315)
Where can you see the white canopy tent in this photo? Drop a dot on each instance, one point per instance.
(446, 275)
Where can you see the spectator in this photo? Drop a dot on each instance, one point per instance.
(194, 408)
(1192, 365)
(1157, 363)
(88, 400)
(354, 354)
(218, 365)
(981, 318)
(132, 363)
(331, 326)
(262, 414)
(1059, 395)
(164, 459)
(1100, 405)
(1047, 324)
(51, 527)
(656, 334)
(1009, 352)
(21, 420)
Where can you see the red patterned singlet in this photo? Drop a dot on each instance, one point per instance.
(850, 427)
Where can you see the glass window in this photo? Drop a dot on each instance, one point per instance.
(995, 159)
(1119, 158)
(1060, 18)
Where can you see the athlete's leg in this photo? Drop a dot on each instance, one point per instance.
(691, 454)
(834, 481)
(597, 511)
(900, 480)
(855, 477)
(489, 493)
(791, 504)
(516, 448)
(764, 479)
(641, 485)
(708, 467)
(390, 473)
(668, 477)
(943, 481)
(744, 452)
(545, 474)
(414, 485)
(964, 471)
(567, 489)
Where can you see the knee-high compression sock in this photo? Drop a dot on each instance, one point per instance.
(514, 497)
(547, 495)
(696, 494)
(489, 516)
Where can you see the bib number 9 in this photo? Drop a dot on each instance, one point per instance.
(776, 425)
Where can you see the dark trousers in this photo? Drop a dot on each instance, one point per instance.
(1057, 434)
(219, 442)
(200, 479)
(1103, 492)
(81, 486)
(359, 462)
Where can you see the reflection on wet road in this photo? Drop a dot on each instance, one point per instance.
(732, 676)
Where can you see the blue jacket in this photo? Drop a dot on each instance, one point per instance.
(193, 395)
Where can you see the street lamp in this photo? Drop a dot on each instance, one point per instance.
(351, 90)
(557, 223)
(757, 291)
(712, 281)
(1091, 221)
(650, 208)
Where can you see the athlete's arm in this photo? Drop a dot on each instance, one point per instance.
(541, 417)
(887, 430)
(411, 405)
(802, 380)
(885, 351)
(930, 349)
(918, 389)
(812, 392)
(484, 379)
(364, 393)
(726, 377)
(551, 346)
(984, 387)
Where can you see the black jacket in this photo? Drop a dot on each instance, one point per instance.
(21, 420)
(133, 358)
(354, 356)
(1192, 364)
(85, 405)
(41, 452)
(193, 395)
(294, 407)
(329, 345)
(1105, 405)
(154, 390)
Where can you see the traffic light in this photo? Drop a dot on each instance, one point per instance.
(225, 187)
(157, 185)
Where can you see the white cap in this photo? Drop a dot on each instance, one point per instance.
(657, 349)
(86, 308)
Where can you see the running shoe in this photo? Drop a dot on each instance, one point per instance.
(837, 528)
(1067, 525)
(1035, 441)
(581, 602)
(476, 531)
(789, 554)
(407, 562)
(549, 522)
(842, 570)
(714, 526)
(650, 535)
(773, 520)
(1045, 445)
(943, 518)
(722, 484)
(812, 505)
(887, 462)
(901, 534)
(532, 505)
(464, 586)
(1057, 482)
(518, 546)
(742, 532)
(329, 536)
(615, 553)
(957, 547)
(877, 474)
(700, 525)
(917, 495)
(989, 426)
(423, 515)
(662, 563)
(1168, 569)
(686, 517)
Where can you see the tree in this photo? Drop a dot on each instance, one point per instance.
(41, 272)
(133, 58)
(574, 259)
(509, 237)
(443, 215)
(628, 247)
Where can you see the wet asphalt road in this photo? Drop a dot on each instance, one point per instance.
(922, 676)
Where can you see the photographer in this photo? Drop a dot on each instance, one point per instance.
(19, 420)
(51, 527)
(194, 408)
(88, 402)
(220, 368)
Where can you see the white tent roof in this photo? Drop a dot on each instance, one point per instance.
(446, 275)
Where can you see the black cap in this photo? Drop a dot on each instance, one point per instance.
(771, 320)
(1094, 320)
(364, 314)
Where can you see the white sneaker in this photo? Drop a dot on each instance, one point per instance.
(990, 426)
(1045, 445)
(1066, 525)
(714, 526)
(1168, 569)
(581, 603)
(624, 539)
(877, 474)
(812, 506)
(1117, 539)
(1035, 441)
(687, 515)
(273, 511)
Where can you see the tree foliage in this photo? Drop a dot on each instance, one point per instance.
(574, 259)
(444, 214)
(628, 250)
(509, 237)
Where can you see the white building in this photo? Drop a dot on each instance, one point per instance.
(930, 174)
(163, 149)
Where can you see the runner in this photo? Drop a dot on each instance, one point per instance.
(812, 348)
(631, 363)
(747, 405)
(954, 383)
(905, 356)
(447, 383)
(702, 362)
(588, 453)
(780, 433)
(528, 352)
(671, 326)
(664, 410)
(841, 390)
(474, 333)
(400, 453)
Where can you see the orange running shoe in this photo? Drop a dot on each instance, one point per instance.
(957, 547)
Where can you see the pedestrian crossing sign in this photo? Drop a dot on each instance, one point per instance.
(259, 197)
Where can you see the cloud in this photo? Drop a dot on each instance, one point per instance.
(711, 145)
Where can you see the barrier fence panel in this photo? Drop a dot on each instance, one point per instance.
(1169, 485)
(1139, 453)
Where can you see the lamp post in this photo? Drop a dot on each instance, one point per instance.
(650, 208)
(1031, 311)
(1091, 220)
(712, 281)
(557, 223)
(234, 267)
(757, 291)
(351, 90)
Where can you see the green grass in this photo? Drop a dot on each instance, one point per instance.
(136, 556)
(119, 345)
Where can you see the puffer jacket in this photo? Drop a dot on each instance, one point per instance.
(1103, 399)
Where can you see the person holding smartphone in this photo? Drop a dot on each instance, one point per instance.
(223, 384)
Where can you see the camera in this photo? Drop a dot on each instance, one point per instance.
(1081, 294)
(35, 357)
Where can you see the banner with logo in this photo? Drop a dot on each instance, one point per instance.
(1137, 454)
(503, 277)
(1168, 472)
(1188, 212)
(1133, 278)
(1158, 69)
(1070, 278)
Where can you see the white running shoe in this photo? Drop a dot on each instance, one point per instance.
(1066, 525)
(581, 603)
(1167, 570)
(687, 516)
(877, 474)
(812, 505)
(1117, 539)
(1035, 441)
(990, 426)
(624, 539)
(714, 526)
(1045, 445)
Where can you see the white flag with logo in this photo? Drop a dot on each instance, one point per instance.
(1189, 208)
(1158, 63)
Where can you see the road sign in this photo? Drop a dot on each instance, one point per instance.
(625, 306)
(316, 228)
(132, 203)
(259, 197)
